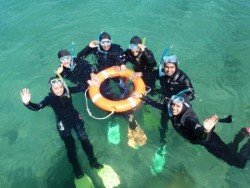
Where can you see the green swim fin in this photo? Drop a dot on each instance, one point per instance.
(109, 177)
(114, 132)
(84, 182)
(158, 161)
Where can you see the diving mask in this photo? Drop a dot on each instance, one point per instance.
(65, 58)
(133, 47)
(105, 42)
(170, 59)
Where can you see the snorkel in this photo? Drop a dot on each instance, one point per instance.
(72, 64)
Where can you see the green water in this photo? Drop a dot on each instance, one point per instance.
(212, 41)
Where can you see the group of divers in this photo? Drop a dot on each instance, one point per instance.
(176, 92)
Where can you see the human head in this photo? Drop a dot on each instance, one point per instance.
(56, 86)
(105, 41)
(170, 64)
(179, 104)
(64, 58)
(134, 45)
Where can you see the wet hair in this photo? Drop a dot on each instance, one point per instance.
(63, 53)
(104, 35)
(136, 40)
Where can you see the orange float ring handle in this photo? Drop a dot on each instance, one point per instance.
(121, 105)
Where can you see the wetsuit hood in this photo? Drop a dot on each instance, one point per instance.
(63, 53)
(104, 35)
(136, 40)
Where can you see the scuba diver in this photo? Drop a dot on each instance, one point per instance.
(186, 123)
(107, 53)
(74, 69)
(143, 61)
(172, 81)
(68, 118)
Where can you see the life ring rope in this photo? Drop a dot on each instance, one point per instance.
(90, 114)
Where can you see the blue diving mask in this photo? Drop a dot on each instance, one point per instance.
(170, 59)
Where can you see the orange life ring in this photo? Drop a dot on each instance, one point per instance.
(121, 105)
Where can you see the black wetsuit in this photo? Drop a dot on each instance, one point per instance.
(145, 63)
(68, 118)
(79, 74)
(170, 85)
(105, 59)
(187, 124)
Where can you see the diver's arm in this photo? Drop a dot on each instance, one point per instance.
(86, 51)
(153, 103)
(36, 107)
(26, 97)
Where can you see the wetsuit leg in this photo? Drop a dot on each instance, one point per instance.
(237, 139)
(164, 124)
(222, 151)
(85, 143)
(69, 142)
(245, 152)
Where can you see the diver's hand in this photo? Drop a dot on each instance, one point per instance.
(94, 77)
(136, 95)
(136, 75)
(142, 47)
(123, 67)
(93, 44)
(26, 96)
(210, 123)
(93, 83)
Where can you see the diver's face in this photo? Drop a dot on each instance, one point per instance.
(176, 108)
(57, 89)
(106, 44)
(169, 69)
(135, 52)
(65, 61)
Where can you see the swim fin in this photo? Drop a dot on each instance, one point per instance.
(136, 137)
(84, 182)
(158, 161)
(114, 132)
(228, 119)
(109, 177)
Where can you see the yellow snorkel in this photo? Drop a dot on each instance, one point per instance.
(58, 73)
